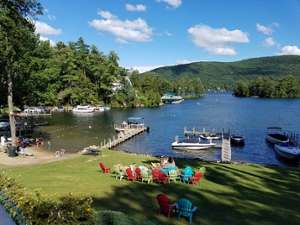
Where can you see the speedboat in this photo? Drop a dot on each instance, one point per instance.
(288, 152)
(276, 136)
(83, 109)
(209, 136)
(190, 144)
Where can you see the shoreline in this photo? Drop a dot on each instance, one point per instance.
(39, 156)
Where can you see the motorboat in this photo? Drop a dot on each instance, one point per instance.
(130, 123)
(192, 144)
(276, 136)
(237, 140)
(288, 152)
(172, 99)
(209, 136)
(83, 109)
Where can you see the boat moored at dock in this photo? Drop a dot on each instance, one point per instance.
(171, 99)
(288, 152)
(276, 136)
(83, 109)
(192, 144)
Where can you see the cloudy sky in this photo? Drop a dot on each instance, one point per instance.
(152, 33)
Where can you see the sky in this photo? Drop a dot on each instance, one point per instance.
(150, 33)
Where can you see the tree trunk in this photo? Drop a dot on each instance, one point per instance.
(11, 109)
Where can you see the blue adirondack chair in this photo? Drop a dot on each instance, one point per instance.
(186, 174)
(185, 209)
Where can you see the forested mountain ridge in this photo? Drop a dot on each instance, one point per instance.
(225, 74)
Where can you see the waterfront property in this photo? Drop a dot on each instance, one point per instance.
(228, 194)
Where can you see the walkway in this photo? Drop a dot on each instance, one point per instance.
(4, 217)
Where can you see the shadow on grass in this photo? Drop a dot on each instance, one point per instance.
(227, 195)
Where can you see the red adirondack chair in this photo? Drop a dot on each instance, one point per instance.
(155, 175)
(103, 168)
(196, 178)
(165, 207)
(138, 173)
(130, 175)
(163, 178)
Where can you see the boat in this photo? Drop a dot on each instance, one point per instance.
(131, 122)
(171, 99)
(237, 140)
(83, 109)
(288, 152)
(276, 136)
(4, 124)
(192, 144)
(209, 136)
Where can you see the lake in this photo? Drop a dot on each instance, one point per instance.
(246, 116)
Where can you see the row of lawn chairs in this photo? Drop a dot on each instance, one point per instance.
(143, 174)
(183, 207)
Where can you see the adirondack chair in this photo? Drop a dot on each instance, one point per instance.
(186, 174)
(196, 178)
(118, 172)
(155, 175)
(165, 207)
(185, 209)
(202, 170)
(146, 177)
(103, 168)
(130, 175)
(163, 178)
(173, 175)
(138, 173)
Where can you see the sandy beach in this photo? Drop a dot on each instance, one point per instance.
(39, 156)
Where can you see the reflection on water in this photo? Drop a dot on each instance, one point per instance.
(248, 117)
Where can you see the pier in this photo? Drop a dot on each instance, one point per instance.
(126, 132)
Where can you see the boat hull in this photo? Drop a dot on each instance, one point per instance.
(192, 146)
(288, 152)
(273, 139)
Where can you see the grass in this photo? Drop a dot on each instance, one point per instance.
(229, 194)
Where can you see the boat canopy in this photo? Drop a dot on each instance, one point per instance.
(135, 120)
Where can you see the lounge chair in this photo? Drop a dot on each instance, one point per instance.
(196, 178)
(138, 173)
(146, 177)
(185, 209)
(173, 176)
(155, 175)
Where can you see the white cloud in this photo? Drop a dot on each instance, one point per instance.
(216, 41)
(264, 29)
(123, 30)
(184, 61)
(290, 50)
(43, 28)
(172, 3)
(136, 8)
(52, 43)
(269, 42)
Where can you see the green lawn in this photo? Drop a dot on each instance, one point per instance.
(229, 194)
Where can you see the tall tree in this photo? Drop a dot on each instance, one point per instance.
(16, 39)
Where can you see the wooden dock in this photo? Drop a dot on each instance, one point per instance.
(126, 132)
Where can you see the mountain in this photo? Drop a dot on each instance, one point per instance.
(225, 74)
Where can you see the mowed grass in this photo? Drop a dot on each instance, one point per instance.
(229, 194)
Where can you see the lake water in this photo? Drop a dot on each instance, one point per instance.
(246, 116)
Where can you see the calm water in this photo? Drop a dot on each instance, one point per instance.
(248, 117)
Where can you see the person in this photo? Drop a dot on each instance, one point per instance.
(171, 161)
(49, 145)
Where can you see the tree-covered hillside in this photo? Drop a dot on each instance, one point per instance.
(225, 74)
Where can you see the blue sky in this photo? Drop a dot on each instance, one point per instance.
(150, 33)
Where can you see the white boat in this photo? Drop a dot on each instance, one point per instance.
(276, 136)
(208, 136)
(192, 145)
(171, 99)
(287, 152)
(83, 109)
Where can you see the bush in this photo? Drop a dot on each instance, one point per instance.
(35, 209)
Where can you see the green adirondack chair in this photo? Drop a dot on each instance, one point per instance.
(173, 176)
(118, 172)
(146, 176)
(202, 170)
(185, 209)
